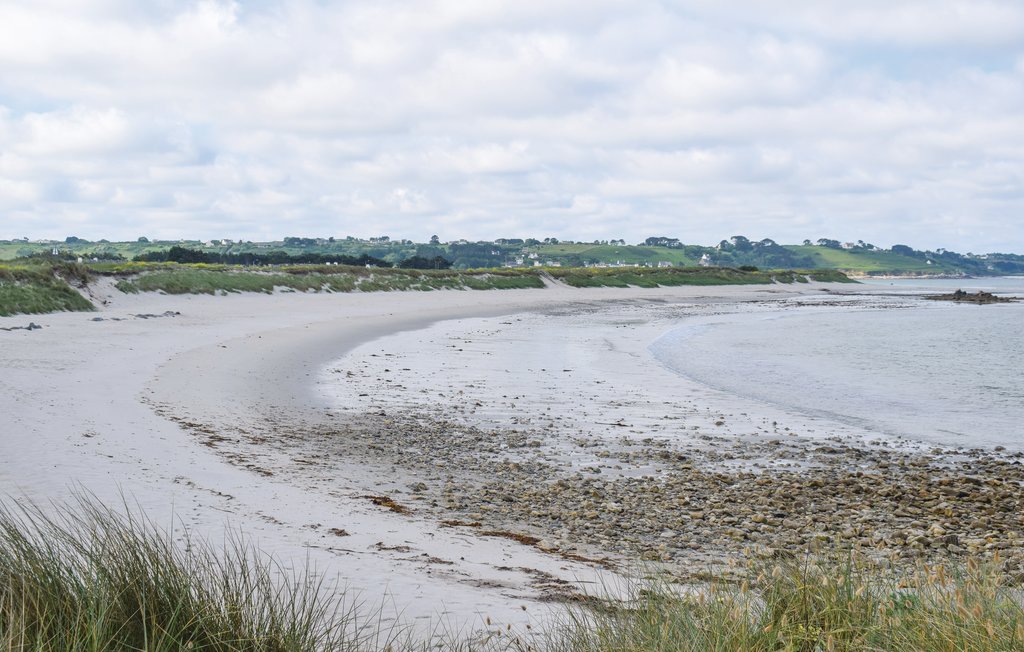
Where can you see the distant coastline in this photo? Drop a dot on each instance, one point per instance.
(522, 253)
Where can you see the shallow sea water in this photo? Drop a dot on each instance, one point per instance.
(948, 374)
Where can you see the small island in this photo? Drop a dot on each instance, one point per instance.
(965, 297)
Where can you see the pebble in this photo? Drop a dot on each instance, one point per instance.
(643, 499)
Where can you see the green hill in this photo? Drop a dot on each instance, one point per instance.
(738, 251)
(867, 262)
(581, 254)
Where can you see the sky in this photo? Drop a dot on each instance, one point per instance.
(889, 121)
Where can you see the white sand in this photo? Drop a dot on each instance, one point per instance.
(582, 375)
(82, 402)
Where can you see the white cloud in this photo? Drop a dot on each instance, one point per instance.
(573, 119)
(901, 23)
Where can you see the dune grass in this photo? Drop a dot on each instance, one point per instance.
(650, 277)
(810, 605)
(190, 279)
(90, 579)
(41, 286)
(86, 578)
(34, 288)
(202, 279)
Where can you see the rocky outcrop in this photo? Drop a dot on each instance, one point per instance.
(964, 297)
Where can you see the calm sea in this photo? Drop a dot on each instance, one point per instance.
(943, 373)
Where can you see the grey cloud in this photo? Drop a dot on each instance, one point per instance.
(573, 119)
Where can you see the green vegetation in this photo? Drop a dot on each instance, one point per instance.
(203, 279)
(857, 258)
(86, 578)
(578, 255)
(649, 277)
(861, 261)
(40, 285)
(206, 279)
(83, 577)
(35, 288)
(810, 605)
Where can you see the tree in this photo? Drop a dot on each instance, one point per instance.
(434, 240)
(419, 262)
(661, 241)
(144, 239)
(741, 243)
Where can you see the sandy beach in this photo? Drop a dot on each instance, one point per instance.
(445, 456)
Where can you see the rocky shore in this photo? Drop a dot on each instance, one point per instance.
(693, 509)
(494, 428)
(979, 297)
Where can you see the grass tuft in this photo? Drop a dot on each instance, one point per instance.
(650, 277)
(87, 578)
(195, 279)
(32, 288)
(811, 605)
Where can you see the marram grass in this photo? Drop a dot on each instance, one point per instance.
(86, 578)
(34, 288)
(812, 605)
(190, 279)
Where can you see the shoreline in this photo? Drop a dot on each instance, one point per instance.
(513, 485)
(90, 399)
(205, 414)
(728, 487)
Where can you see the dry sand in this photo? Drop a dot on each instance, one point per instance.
(162, 401)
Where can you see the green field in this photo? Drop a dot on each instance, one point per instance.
(859, 260)
(865, 262)
(627, 254)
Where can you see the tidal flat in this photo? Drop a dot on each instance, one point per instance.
(563, 427)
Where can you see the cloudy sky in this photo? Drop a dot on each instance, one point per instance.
(891, 121)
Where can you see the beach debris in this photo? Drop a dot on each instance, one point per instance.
(388, 502)
(32, 326)
(524, 539)
(380, 545)
(166, 313)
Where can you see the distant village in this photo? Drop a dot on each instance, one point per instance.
(858, 257)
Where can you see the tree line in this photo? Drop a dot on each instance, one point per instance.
(179, 254)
